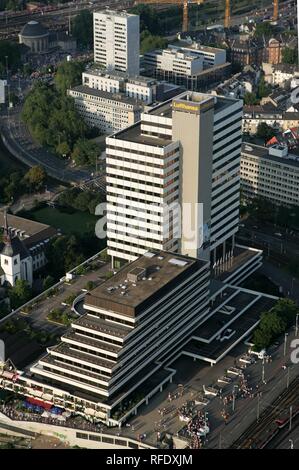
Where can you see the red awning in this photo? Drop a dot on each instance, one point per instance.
(35, 401)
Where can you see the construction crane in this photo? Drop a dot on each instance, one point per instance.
(227, 14)
(276, 10)
(185, 4)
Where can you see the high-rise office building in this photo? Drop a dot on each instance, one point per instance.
(187, 152)
(116, 41)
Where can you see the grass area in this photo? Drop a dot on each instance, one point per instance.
(76, 222)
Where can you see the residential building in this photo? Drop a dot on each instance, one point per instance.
(283, 74)
(280, 120)
(271, 173)
(23, 249)
(154, 164)
(246, 52)
(116, 41)
(108, 112)
(274, 51)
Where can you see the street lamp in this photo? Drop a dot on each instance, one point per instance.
(6, 61)
(285, 344)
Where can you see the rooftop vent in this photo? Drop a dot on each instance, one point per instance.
(136, 274)
(149, 254)
(178, 262)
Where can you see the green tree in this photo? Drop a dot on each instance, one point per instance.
(20, 293)
(149, 18)
(263, 88)
(52, 117)
(35, 177)
(82, 28)
(48, 282)
(68, 74)
(85, 152)
(63, 149)
(289, 56)
(263, 29)
(150, 42)
(250, 98)
(10, 50)
(265, 132)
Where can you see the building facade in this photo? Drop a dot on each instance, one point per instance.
(279, 120)
(155, 165)
(35, 36)
(23, 248)
(186, 67)
(108, 112)
(270, 173)
(212, 56)
(132, 325)
(141, 88)
(116, 41)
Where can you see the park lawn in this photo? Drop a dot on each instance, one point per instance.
(76, 223)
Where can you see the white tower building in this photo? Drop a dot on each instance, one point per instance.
(116, 41)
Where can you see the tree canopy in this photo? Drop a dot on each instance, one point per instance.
(264, 131)
(263, 29)
(20, 293)
(82, 28)
(149, 42)
(85, 152)
(68, 75)
(274, 323)
(52, 118)
(289, 56)
(35, 177)
(10, 50)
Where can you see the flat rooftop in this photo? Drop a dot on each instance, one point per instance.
(121, 76)
(157, 273)
(243, 325)
(197, 47)
(108, 12)
(118, 97)
(194, 99)
(134, 134)
(241, 255)
(263, 153)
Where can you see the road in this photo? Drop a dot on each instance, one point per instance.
(288, 283)
(17, 139)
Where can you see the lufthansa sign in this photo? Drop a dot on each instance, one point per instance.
(192, 108)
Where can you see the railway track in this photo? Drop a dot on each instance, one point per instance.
(259, 434)
(283, 435)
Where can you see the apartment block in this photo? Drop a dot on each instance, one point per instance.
(116, 41)
(271, 173)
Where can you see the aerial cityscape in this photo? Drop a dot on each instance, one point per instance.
(149, 227)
